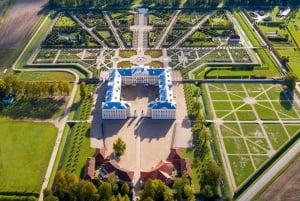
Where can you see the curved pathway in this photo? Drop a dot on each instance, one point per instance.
(60, 123)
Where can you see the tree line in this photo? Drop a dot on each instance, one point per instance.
(169, 3)
(67, 187)
(11, 84)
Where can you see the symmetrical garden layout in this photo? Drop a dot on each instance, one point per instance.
(252, 121)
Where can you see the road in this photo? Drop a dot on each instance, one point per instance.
(262, 181)
(166, 32)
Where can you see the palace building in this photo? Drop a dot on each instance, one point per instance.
(162, 108)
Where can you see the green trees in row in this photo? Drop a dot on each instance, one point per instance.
(11, 83)
(171, 3)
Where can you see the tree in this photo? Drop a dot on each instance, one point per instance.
(119, 147)
(214, 172)
(2, 88)
(113, 180)
(290, 80)
(51, 198)
(105, 192)
(125, 189)
(182, 188)
(156, 190)
(13, 83)
(83, 90)
(207, 191)
(85, 190)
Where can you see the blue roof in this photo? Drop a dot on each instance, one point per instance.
(113, 93)
(161, 105)
(115, 105)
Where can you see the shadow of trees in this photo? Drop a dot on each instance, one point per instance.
(36, 108)
(286, 99)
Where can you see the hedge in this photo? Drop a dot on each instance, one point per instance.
(76, 67)
(18, 198)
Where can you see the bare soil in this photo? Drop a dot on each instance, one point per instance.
(2, 6)
(21, 17)
(286, 186)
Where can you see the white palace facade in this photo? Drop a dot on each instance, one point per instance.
(162, 108)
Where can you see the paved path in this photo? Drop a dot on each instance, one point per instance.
(101, 42)
(268, 176)
(141, 29)
(60, 123)
(189, 33)
(166, 32)
(113, 28)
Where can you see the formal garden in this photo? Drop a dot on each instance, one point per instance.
(282, 32)
(253, 121)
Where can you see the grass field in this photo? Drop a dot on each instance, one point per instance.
(46, 76)
(25, 150)
(248, 144)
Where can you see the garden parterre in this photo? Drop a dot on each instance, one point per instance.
(253, 121)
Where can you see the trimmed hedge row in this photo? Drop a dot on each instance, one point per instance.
(76, 67)
(18, 198)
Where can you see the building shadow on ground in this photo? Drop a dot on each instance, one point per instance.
(153, 128)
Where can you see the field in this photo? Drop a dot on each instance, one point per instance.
(46, 76)
(253, 121)
(24, 156)
(14, 28)
(285, 186)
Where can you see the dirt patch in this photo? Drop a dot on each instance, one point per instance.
(21, 17)
(286, 186)
(2, 6)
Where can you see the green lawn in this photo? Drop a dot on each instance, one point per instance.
(25, 149)
(195, 172)
(127, 53)
(247, 144)
(294, 58)
(46, 76)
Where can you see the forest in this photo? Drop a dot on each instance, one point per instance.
(168, 3)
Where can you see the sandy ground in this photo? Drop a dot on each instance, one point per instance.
(286, 186)
(21, 17)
